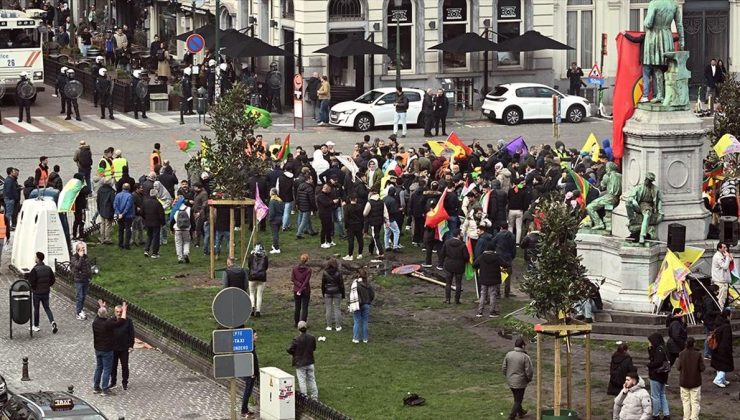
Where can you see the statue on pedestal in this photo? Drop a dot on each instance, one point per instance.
(658, 41)
(644, 205)
(611, 187)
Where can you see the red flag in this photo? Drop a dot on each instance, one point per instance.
(438, 214)
(284, 149)
(454, 139)
(627, 88)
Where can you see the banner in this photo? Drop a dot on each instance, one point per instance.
(627, 86)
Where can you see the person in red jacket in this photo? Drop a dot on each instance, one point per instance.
(301, 277)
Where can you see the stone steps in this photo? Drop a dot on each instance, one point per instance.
(626, 324)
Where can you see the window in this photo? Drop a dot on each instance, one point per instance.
(580, 24)
(388, 99)
(413, 96)
(454, 23)
(528, 92)
(288, 9)
(509, 18)
(403, 17)
(638, 9)
(225, 19)
(342, 10)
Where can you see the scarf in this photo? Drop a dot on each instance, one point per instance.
(354, 297)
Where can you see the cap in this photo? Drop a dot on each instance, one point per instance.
(211, 62)
(204, 175)
(302, 325)
(99, 58)
(136, 73)
(650, 176)
(63, 70)
(70, 71)
(329, 143)
(82, 142)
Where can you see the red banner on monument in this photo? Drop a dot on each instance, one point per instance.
(627, 87)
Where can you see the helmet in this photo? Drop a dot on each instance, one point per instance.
(223, 66)
(136, 73)
(24, 75)
(211, 63)
(63, 70)
(102, 72)
(70, 72)
(187, 71)
(99, 59)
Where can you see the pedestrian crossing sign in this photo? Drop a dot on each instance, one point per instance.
(595, 72)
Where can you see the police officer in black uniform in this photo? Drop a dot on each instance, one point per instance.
(186, 102)
(61, 81)
(105, 93)
(211, 80)
(95, 70)
(225, 79)
(138, 102)
(23, 103)
(72, 102)
(274, 81)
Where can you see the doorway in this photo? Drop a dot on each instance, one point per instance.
(347, 74)
(289, 69)
(706, 28)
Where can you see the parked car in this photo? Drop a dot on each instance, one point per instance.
(376, 108)
(514, 102)
(46, 405)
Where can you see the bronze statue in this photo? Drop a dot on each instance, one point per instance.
(644, 205)
(611, 187)
(659, 40)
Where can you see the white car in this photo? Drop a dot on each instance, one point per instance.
(376, 108)
(514, 102)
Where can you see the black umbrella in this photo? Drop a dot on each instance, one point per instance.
(465, 43)
(532, 41)
(353, 46)
(237, 44)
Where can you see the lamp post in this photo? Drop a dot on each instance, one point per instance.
(397, 4)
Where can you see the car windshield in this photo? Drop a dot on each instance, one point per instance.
(369, 97)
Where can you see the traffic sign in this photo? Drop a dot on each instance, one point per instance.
(228, 366)
(595, 72)
(596, 81)
(231, 307)
(195, 43)
(233, 341)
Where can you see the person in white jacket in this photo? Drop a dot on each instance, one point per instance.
(633, 402)
(721, 272)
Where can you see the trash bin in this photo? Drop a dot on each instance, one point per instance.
(20, 304)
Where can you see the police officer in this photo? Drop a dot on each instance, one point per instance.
(61, 81)
(186, 102)
(72, 102)
(211, 80)
(95, 70)
(225, 79)
(138, 102)
(274, 81)
(104, 90)
(23, 103)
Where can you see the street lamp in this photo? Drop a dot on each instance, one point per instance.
(397, 4)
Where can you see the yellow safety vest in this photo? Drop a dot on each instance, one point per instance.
(107, 170)
(118, 164)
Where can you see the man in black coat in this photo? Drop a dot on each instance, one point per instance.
(713, 76)
(427, 109)
(103, 342)
(42, 278)
(441, 105)
(453, 256)
(123, 344)
(302, 349)
(488, 265)
(709, 313)
(153, 214)
(286, 189)
(504, 243)
(722, 359)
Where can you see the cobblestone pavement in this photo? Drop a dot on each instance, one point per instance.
(159, 387)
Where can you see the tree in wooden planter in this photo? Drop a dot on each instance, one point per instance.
(556, 283)
(224, 158)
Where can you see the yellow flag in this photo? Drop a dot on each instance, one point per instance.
(690, 255)
(672, 270)
(504, 276)
(591, 147)
(726, 145)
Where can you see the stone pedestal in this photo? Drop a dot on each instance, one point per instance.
(670, 144)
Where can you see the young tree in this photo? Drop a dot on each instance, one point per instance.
(224, 156)
(558, 280)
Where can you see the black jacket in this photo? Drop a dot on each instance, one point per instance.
(84, 158)
(11, 191)
(504, 243)
(153, 212)
(658, 355)
(257, 273)
(306, 197)
(402, 103)
(441, 105)
(677, 336)
(710, 310)
(365, 293)
(529, 245)
(332, 283)
(712, 79)
(453, 256)
(427, 105)
(235, 276)
(619, 367)
(80, 267)
(123, 336)
(498, 207)
(103, 336)
(106, 195)
(41, 278)
(302, 349)
(722, 357)
(168, 180)
(353, 217)
(489, 268)
(324, 203)
(285, 187)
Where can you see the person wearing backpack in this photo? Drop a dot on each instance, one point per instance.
(258, 264)
(658, 369)
(722, 359)
(710, 310)
(182, 230)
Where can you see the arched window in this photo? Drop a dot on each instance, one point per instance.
(401, 19)
(345, 10)
(455, 19)
(225, 19)
(288, 9)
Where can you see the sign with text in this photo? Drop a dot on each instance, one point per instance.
(509, 9)
(233, 341)
(402, 13)
(455, 13)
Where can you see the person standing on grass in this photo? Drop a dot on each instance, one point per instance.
(722, 359)
(105, 198)
(81, 269)
(633, 402)
(504, 243)
(258, 264)
(235, 275)
(354, 221)
(124, 210)
(42, 279)
(658, 374)
(153, 213)
(302, 349)
(249, 381)
(326, 205)
(621, 364)
(517, 368)
(137, 225)
(690, 365)
(677, 334)
(361, 297)
(301, 277)
(488, 265)
(123, 345)
(103, 342)
(182, 227)
(376, 216)
(275, 215)
(453, 255)
(78, 227)
(332, 290)
(710, 310)
(306, 203)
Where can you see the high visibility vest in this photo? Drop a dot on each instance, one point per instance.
(155, 159)
(3, 229)
(564, 158)
(107, 170)
(44, 177)
(118, 164)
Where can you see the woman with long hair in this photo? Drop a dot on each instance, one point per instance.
(361, 297)
(332, 289)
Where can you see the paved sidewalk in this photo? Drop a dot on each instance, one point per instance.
(159, 387)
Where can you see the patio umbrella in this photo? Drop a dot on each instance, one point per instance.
(353, 46)
(465, 43)
(532, 41)
(237, 44)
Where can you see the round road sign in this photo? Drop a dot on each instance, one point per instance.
(231, 307)
(195, 43)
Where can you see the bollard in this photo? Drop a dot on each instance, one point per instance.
(71, 389)
(24, 374)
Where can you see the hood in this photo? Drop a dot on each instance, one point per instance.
(606, 144)
(373, 160)
(167, 170)
(640, 385)
(656, 340)
(85, 147)
(559, 145)
(455, 243)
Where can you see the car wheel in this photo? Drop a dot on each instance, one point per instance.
(512, 116)
(364, 122)
(576, 114)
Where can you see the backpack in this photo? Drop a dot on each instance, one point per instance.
(712, 341)
(258, 267)
(182, 221)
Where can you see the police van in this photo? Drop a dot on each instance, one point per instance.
(20, 49)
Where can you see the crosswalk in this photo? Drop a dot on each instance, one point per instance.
(89, 123)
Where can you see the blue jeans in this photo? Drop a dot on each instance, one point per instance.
(286, 214)
(393, 228)
(361, 317)
(304, 223)
(399, 118)
(220, 236)
(707, 350)
(657, 395)
(646, 81)
(9, 211)
(38, 300)
(338, 218)
(324, 111)
(103, 367)
(81, 292)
